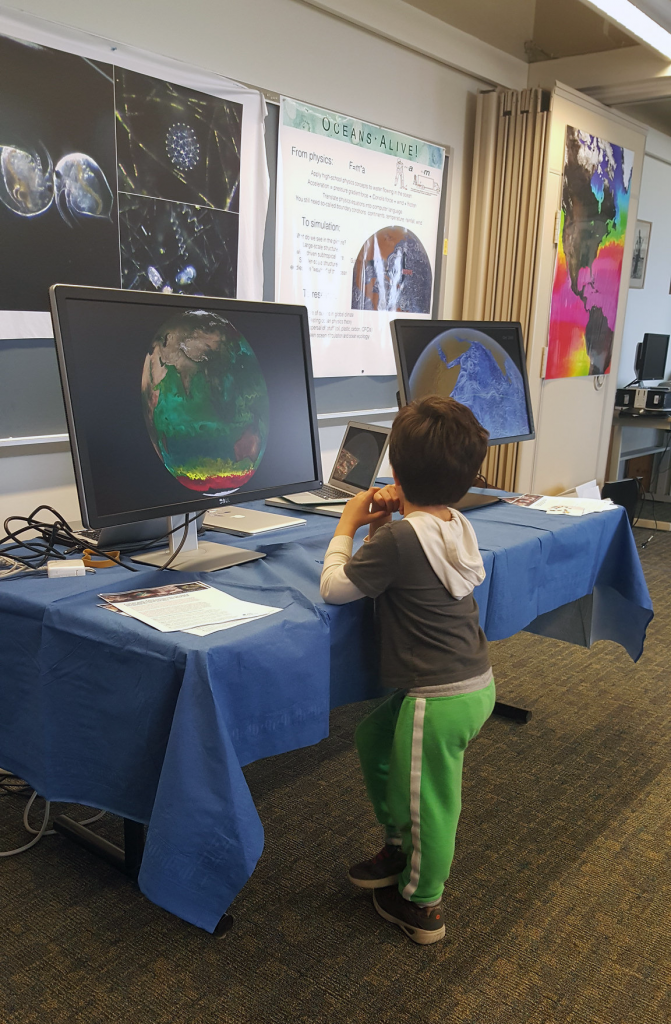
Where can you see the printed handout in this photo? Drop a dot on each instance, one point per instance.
(191, 607)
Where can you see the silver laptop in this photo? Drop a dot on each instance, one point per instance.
(247, 522)
(356, 466)
(321, 510)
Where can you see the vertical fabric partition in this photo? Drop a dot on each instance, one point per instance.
(508, 159)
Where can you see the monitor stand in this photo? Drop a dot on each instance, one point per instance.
(194, 557)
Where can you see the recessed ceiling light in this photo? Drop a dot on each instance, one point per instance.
(636, 23)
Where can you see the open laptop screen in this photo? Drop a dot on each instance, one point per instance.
(359, 457)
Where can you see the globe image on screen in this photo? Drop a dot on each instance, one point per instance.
(205, 402)
(392, 272)
(472, 368)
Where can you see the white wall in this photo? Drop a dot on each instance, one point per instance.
(27, 481)
(295, 49)
(649, 308)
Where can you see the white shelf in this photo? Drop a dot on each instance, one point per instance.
(635, 453)
(12, 442)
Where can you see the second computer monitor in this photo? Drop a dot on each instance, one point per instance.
(478, 363)
(651, 356)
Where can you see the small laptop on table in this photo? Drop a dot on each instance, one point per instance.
(355, 469)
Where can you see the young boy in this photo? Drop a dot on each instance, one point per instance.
(421, 571)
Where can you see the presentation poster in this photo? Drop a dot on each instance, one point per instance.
(357, 225)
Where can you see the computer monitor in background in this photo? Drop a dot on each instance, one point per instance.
(177, 404)
(478, 363)
(650, 362)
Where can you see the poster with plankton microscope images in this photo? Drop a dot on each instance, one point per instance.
(58, 211)
(178, 153)
(114, 178)
(357, 223)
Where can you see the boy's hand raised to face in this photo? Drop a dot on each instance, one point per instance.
(358, 513)
(389, 500)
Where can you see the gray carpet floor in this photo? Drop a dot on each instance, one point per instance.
(558, 908)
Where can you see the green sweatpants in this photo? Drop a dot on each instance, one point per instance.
(412, 753)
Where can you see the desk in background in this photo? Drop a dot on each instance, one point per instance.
(617, 458)
(102, 710)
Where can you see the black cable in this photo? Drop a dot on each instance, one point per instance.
(641, 500)
(187, 523)
(52, 537)
(57, 539)
(133, 546)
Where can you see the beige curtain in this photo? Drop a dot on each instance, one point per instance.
(509, 151)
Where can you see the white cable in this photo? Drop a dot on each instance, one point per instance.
(26, 824)
(52, 831)
(9, 566)
(38, 833)
(96, 817)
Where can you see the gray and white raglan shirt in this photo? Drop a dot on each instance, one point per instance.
(421, 571)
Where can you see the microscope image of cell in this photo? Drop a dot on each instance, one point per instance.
(26, 186)
(177, 144)
(81, 188)
(155, 278)
(182, 146)
(187, 275)
(174, 247)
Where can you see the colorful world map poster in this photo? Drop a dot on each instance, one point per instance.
(595, 204)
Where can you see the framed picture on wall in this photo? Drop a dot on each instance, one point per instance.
(639, 259)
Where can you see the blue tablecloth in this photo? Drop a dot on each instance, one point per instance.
(102, 710)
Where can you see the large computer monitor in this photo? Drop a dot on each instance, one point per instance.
(478, 363)
(176, 404)
(651, 353)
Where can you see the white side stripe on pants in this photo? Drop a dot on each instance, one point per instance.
(415, 783)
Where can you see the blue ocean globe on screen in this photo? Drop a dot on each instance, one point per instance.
(469, 366)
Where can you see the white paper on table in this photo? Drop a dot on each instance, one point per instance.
(572, 506)
(589, 490)
(184, 609)
(215, 627)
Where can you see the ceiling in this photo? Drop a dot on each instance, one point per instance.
(532, 30)
(655, 113)
(541, 30)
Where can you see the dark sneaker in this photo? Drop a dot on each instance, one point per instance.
(381, 870)
(423, 925)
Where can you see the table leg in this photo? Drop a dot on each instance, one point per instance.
(615, 451)
(127, 859)
(225, 925)
(515, 714)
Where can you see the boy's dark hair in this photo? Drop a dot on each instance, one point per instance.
(436, 448)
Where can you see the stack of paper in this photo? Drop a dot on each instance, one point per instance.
(561, 506)
(188, 607)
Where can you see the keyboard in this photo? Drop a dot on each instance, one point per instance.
(331, 492)
(90, 536)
